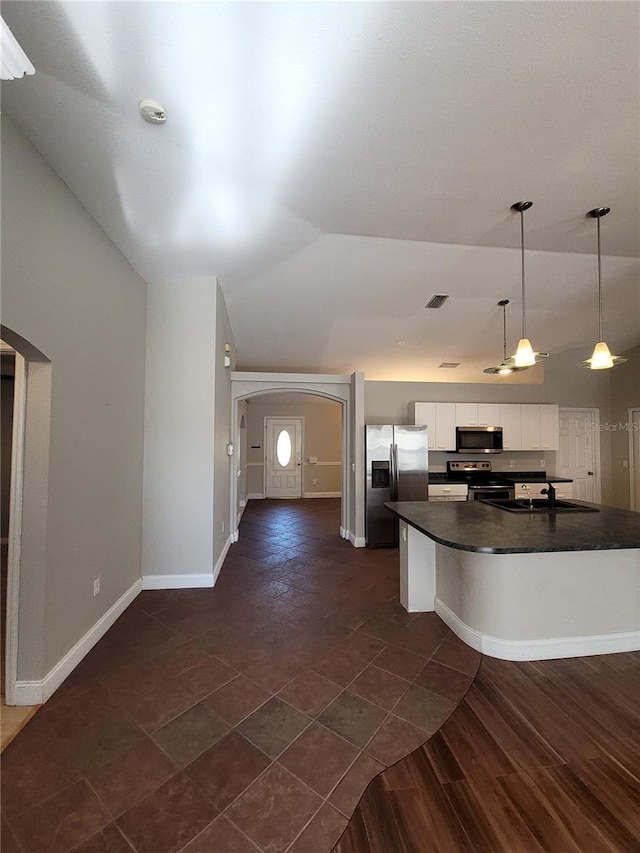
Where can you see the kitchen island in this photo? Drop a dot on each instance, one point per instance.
(524, 586)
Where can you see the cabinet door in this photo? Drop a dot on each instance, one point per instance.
(466, 414)
(530, 426)
(489, 414)
(445, 426)
(511, 423)
(549, 428)
(424, 414)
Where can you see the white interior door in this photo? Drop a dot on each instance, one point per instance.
(283, 457)
(577, 455)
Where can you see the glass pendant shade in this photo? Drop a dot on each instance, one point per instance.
(601, 358)
(525, 356)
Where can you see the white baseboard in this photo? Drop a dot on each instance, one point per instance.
(356, 541)
(322, 494)
(220, 561)
(177, 581)
(547, 649)
(37, 692)
(255, 496)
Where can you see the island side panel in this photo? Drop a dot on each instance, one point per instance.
(417, 570)
(545, 605)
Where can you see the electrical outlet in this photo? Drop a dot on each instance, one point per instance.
(96, 587)
(542, 463)
(512, 463)
(315, 482)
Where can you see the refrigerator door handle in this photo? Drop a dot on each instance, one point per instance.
(394, 471)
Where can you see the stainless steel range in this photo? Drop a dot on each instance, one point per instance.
(480, 480)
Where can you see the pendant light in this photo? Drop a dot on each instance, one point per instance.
(507, 364)
(525, 356)
(601, 358)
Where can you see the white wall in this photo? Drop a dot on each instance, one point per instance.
(70, 293)
(177, 536)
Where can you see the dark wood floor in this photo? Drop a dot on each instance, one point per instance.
(538, 756)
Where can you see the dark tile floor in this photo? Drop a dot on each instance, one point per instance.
(248, 717)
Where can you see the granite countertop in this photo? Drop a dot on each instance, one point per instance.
(475, 526)
(507, 476)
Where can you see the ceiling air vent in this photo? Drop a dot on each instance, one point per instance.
(437, 301)
(450, 364)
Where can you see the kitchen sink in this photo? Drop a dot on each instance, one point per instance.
(538, 505)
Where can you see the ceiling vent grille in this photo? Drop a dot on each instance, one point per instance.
(450, 364)
(437, 301)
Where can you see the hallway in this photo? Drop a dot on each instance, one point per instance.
(248, 717)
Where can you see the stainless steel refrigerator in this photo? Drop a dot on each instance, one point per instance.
(397, 464)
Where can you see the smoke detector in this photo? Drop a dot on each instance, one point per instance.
(152, 111)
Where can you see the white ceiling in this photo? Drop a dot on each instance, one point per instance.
(336, 164)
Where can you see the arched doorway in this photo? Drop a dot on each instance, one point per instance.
(346, 390)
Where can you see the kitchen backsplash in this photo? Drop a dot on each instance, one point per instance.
(523, 460)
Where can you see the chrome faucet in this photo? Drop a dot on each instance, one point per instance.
(526, 488)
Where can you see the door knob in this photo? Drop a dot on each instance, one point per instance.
(590, 473)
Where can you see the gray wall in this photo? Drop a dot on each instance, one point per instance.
(179, 421)
(70, 293)
(625, 394)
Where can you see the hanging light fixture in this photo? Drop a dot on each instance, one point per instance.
(601, 358)
(525, 356)
(507, 364)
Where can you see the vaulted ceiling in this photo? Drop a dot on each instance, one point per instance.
(336, 164)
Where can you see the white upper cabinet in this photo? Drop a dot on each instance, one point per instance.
(549, 428)
(524, 426)
(540, 427)
(530, 427)
(445, 426)
(489, 414)
(466, 414)
(511, 423)
(424, 414)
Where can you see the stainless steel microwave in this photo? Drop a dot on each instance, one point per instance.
(479, 439)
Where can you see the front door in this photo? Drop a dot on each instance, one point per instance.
(283, 457)
(577, 454)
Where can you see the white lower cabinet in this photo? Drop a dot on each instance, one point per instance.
(453, 492)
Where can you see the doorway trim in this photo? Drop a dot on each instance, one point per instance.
(634, 461)
(347, 390)
(28, 507)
